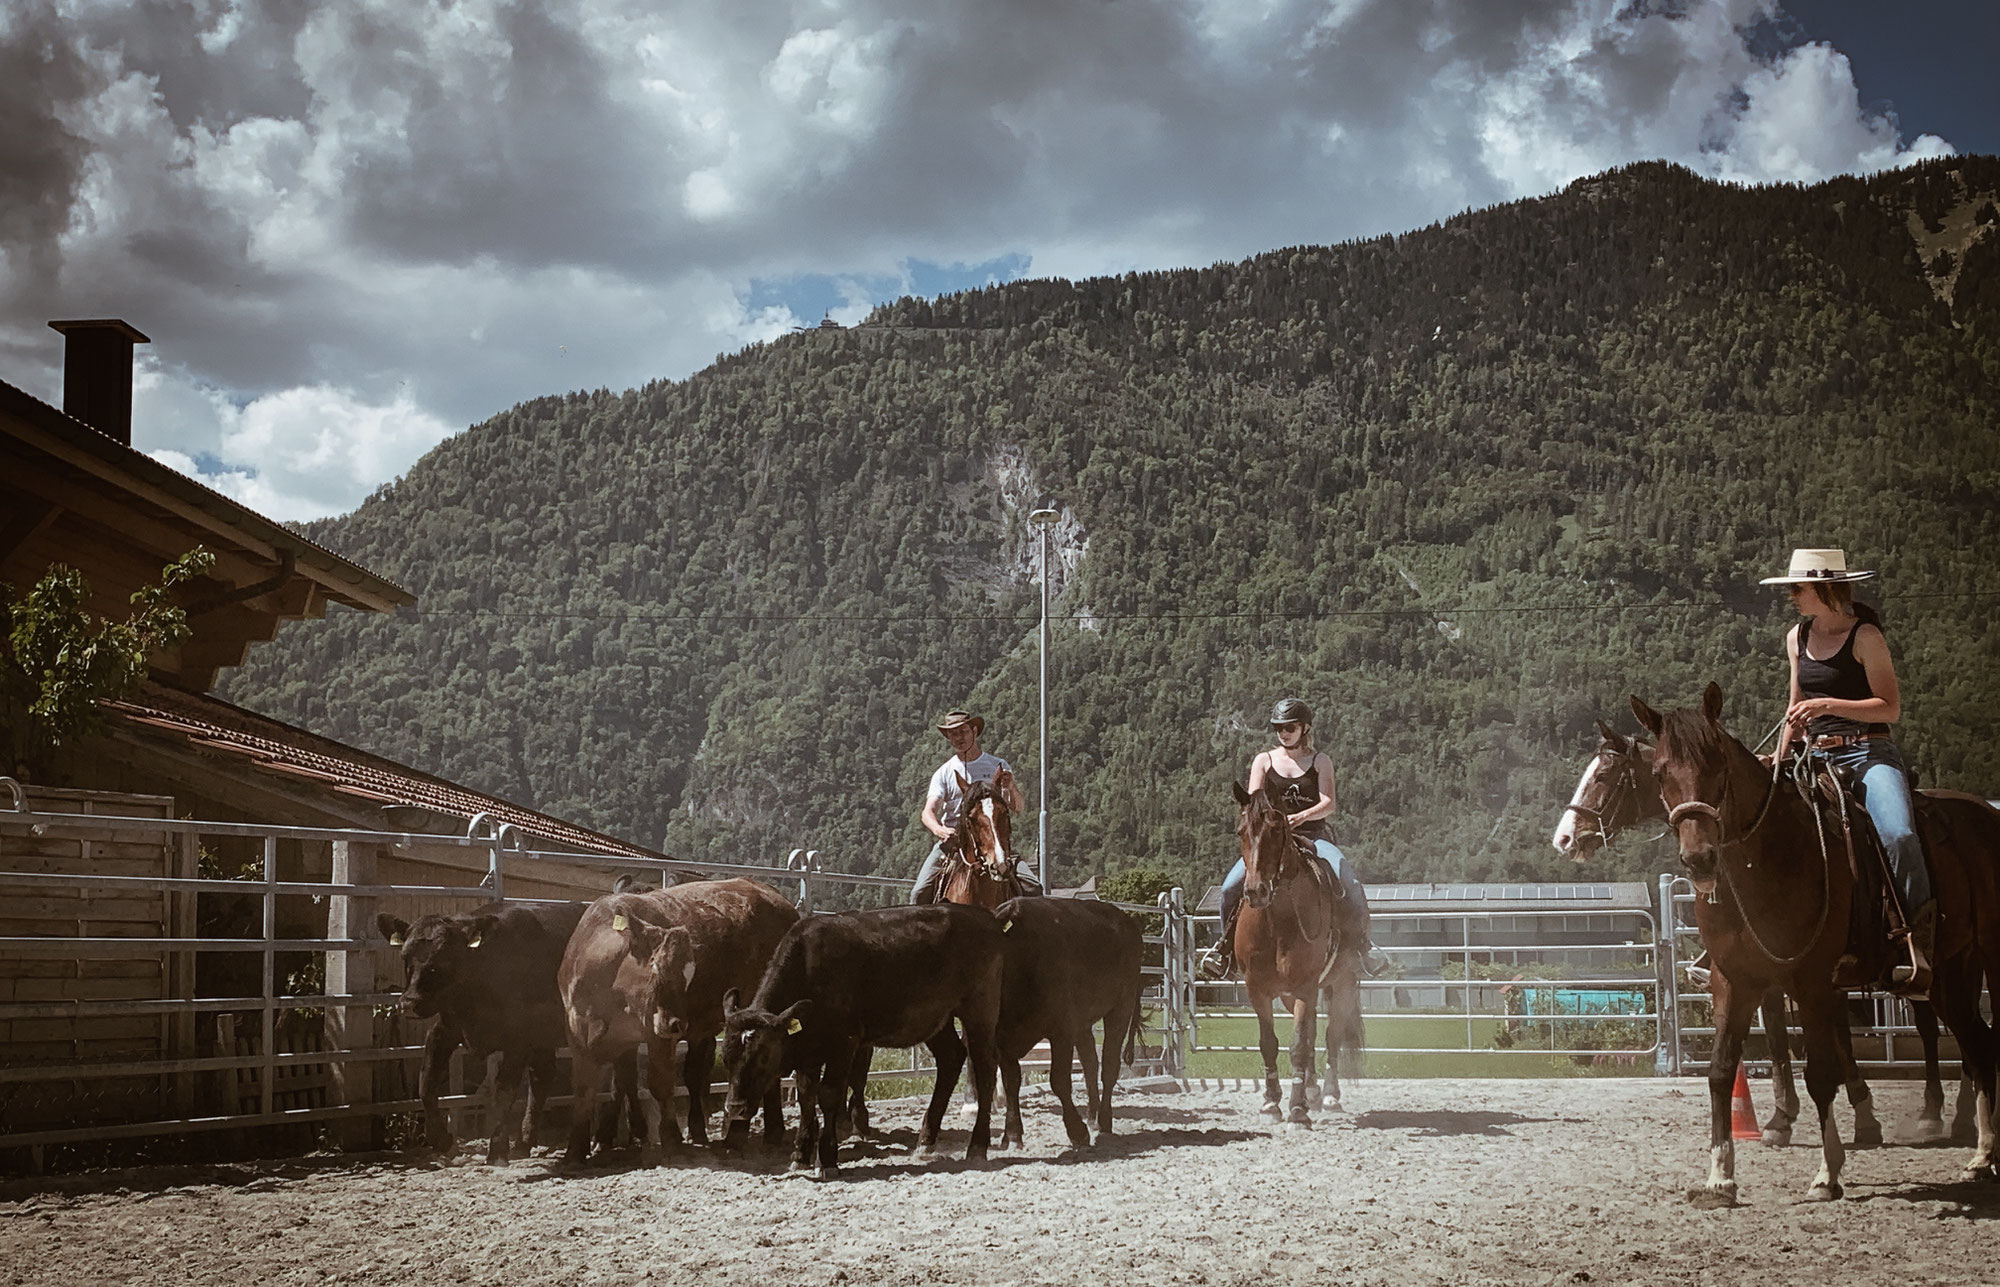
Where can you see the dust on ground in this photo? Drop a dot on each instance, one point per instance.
(1431, 1181)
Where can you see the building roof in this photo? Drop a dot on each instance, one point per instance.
(211, 727)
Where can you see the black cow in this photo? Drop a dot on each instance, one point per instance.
(1070, 962)
(490, 978)
(894, 976)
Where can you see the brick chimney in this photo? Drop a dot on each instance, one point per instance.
(97, 373)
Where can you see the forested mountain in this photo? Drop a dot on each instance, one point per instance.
(1462, 489)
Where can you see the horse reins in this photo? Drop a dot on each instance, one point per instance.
(1701, 809)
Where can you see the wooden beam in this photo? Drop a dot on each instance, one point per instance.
(26, 518)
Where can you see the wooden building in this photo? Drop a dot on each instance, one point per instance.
(74, 491)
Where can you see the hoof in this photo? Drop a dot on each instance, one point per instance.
(1778, 1139)
(1868, 1135)
(1925, 1130)
(1713, 1197)
(1298, 1124)
(1828, 1192)
(1979, 1172)
(1272, 1111)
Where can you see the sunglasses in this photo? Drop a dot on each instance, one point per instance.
(1286, 726)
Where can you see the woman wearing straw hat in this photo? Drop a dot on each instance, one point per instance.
(1844, 697)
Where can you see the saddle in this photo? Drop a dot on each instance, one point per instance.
(1878, 924)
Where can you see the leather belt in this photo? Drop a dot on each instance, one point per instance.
(1834, 741)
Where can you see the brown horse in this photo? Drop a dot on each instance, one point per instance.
(1289, 936)
(1774, 895)
(979, 857)
(1619, 790)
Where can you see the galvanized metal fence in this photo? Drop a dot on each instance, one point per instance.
(350, 999)
(1471, 982)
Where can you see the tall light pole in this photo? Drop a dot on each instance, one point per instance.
(1044, 519)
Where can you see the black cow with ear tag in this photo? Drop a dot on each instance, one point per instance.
(489, 978)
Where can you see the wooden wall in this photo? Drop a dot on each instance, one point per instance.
(80, 911)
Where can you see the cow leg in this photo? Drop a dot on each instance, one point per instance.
(985, 1071)
(662, 1069)
(1010, 1085)
(1733, 1007)
(443, 1038)
(1085, 1043)
(774, 1119)
(832, 1098)
(1867, 1127)
(584, 1074)
(805, 1082)
(1267, 1045)
(949, 1054)
(1784, 1090)
(1118, 1027)
(1060, 1047)
(857, 1091)
(541, 1084)
(625, 1092)
(700, 1069)
(506, 1087)
(1823, 1013)
(1305, 1041)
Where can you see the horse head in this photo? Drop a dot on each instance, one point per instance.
(1696, 761)
(1618, 789)
(984, 838)
(1265, 838)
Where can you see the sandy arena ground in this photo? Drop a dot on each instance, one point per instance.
(1551, 1182)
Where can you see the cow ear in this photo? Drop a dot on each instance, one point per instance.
(1711, 702)
(1648, 718)
(1241, 792)
(394, 928)
(480, 927)
(675, 945)
(687, 975)
(731, 1003)
(792, 1018)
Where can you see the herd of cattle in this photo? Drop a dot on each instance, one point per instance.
(662, 967)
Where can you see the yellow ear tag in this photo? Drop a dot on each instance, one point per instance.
(619, 922)
(395, 940)
(1006, 927)
(793, 1027)
(475, 940)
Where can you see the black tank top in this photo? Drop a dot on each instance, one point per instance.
(1295, 795)
(1841, 677)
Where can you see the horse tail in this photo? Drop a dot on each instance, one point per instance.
(1132, 1021)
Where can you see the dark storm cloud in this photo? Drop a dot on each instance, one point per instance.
(405, 215)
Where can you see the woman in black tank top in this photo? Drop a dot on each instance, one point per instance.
(1844, 698)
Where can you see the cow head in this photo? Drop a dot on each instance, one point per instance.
(758, 1048)
(439, 954)
(667, 951)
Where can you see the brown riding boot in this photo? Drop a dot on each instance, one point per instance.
(1219, 961)
(1913, 981)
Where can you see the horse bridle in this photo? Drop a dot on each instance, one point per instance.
(961, 841)
(1626, 779)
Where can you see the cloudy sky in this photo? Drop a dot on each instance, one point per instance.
(354, 227)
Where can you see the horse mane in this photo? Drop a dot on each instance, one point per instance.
(1690, 735)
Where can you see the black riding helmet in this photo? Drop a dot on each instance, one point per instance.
(1290, 710)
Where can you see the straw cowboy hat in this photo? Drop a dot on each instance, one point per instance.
(1817, 565)
(959, 719)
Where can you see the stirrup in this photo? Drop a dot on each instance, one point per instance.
(1912, 981)
(1215, 964)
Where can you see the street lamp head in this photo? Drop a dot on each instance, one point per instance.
(1043, 517)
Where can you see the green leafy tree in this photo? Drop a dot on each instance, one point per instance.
(58, 660)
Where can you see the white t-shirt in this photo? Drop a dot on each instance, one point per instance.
(944, 782)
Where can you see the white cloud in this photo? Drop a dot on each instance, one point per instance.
(389, 216)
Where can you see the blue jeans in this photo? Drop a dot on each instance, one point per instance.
(1329, 853)
(1884, 787)
(930, 877)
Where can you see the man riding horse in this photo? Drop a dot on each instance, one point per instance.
(946, 799)
(1299, 778)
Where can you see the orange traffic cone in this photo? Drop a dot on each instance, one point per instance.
(1742, 1114)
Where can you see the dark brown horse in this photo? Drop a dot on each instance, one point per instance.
(1773, 895)
(979, 857)
(1289, 940)
(1618, 790)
